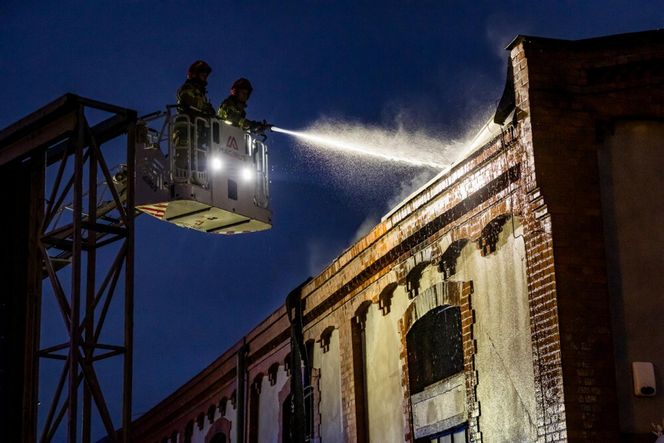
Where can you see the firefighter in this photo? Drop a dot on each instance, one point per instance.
(192, 95)
(191, 133)
(232, 109)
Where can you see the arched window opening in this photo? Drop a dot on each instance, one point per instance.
(358, 338)
(434, 346)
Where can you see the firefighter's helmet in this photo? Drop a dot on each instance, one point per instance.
(199, 66)
(241, 83)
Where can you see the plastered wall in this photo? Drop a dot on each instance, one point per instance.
(331, 427)
(269, 415)
(506, 383)
(384, 392)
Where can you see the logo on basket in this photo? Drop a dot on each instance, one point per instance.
(232, 143)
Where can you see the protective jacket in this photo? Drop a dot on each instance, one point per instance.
(192, 96)
(233, 110)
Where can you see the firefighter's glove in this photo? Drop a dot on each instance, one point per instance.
(265, 126)
(260, 127)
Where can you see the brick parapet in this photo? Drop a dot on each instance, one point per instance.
(541, 282)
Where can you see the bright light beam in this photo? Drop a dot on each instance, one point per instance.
(330, 142)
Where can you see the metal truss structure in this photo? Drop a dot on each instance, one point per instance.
(81, 252)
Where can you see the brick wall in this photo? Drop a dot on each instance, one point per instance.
(569, 92)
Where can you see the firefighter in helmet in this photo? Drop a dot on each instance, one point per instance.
(191, 131)
(192, 95)
(233, 108)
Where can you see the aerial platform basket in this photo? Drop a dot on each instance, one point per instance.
(214, 179)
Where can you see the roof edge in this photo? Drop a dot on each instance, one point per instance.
(658, 33)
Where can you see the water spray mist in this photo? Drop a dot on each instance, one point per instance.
(348, 143)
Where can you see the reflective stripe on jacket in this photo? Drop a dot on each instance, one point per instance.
(192, 94)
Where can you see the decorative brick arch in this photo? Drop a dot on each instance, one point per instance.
(272, 373)
(413, 279)
(233, 399)
(212, 410)
(223, 404)
(221, 426)
(287, 364)
(385, 298)
(490, 234)
(448, 260)
(200, 421)
(257, 384)
(360, 316)
(325, 338)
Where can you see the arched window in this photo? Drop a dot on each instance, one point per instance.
(359, 353)
(434, 345)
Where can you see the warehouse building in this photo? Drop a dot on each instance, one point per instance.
(516, 297)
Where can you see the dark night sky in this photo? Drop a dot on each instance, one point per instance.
(432, 65)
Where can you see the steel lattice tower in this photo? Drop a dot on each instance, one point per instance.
(56, 227)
